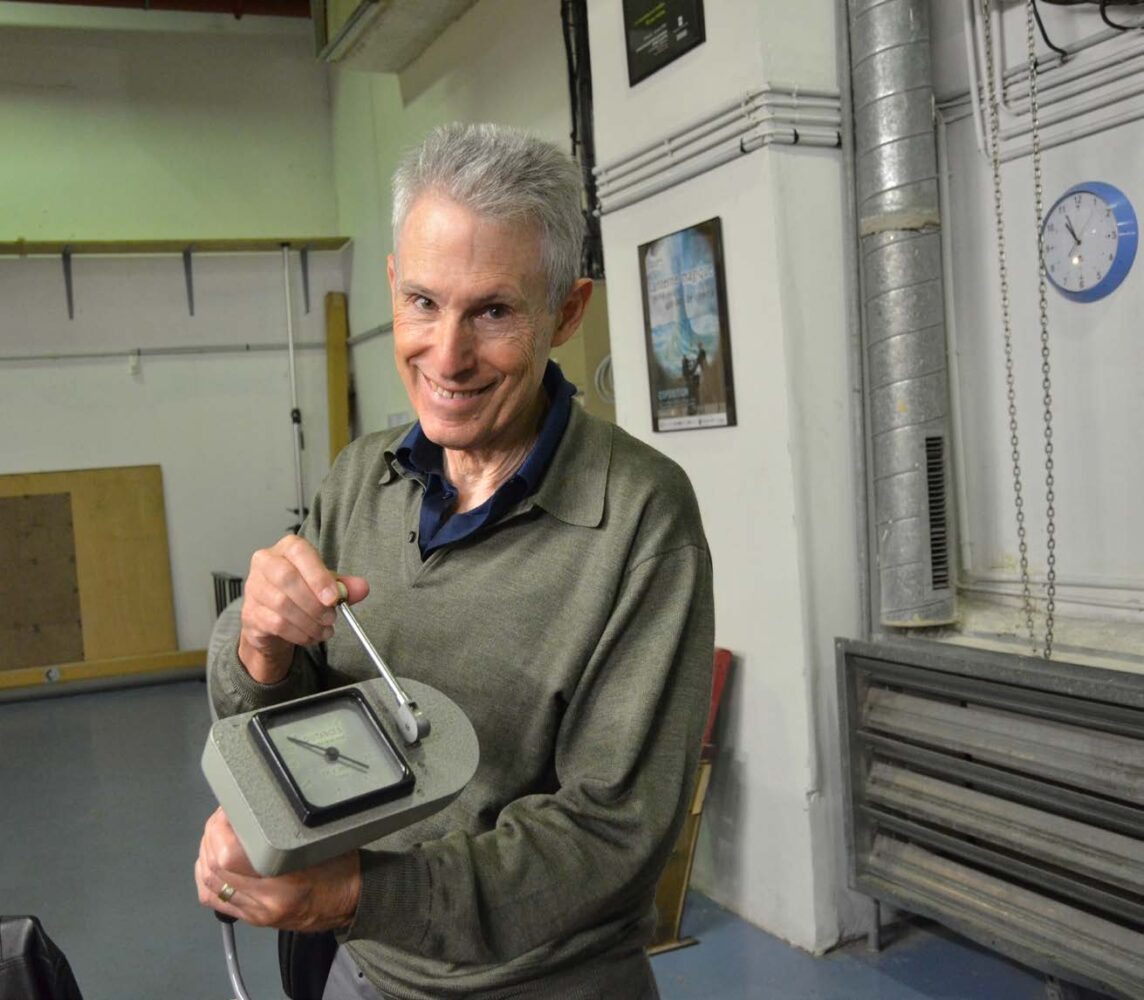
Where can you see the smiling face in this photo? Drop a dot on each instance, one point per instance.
(471, 326)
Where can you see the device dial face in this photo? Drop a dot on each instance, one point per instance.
(332, 756)
(1089, 241)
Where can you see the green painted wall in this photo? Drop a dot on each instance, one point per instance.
(148, 135)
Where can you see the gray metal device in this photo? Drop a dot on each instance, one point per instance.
(310, 779)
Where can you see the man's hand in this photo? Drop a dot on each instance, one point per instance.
(321, 898)
(288, 601)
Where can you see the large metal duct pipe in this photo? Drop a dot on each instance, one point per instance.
(904, 329)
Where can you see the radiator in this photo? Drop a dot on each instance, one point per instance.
(1002, 796)
(227, 588)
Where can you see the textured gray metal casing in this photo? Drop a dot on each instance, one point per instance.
(275, 839)
(904, 331)
(1003, 796)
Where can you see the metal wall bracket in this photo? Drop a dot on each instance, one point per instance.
(304, 256)
(188, 273)
(66, 257)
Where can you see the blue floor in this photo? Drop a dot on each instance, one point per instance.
(921, 961)
(103, 808)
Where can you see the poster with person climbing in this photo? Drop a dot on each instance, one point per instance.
(685, 323)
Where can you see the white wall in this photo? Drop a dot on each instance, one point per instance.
(776, 491)
(203, 128)
(1096, 351)
(502, 61)
(218, 424)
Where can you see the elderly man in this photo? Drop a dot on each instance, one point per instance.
(541, 567)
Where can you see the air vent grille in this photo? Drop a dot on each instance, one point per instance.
(939, 532)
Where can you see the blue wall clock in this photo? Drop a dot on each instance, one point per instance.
(1089, 241)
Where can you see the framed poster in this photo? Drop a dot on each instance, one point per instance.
(685, 325)
(660, 31)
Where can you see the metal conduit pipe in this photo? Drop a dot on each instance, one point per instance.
(768, 95)
(755, 109)
(825, 123)
(716, 131)
(156, 352)
(724, 154)
(903, 301)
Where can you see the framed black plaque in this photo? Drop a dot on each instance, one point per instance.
(660, 31)
(688, 335)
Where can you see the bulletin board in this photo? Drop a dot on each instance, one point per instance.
(87, 584)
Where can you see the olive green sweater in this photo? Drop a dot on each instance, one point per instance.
(577, 635)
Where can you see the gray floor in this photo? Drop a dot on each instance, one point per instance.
(103, 804)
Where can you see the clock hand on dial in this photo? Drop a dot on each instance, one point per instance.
(1072, 232)
(330, 753)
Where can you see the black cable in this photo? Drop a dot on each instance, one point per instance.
(1045, 35)
(1112, 24)
(574, 15)
(570, 58)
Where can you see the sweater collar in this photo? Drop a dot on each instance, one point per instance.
(573, 490)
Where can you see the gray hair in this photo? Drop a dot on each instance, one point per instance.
(505, 174)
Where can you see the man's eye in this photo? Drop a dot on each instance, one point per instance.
(421, 302)
(495, 311)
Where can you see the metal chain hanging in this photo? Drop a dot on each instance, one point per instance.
(1046, 369)
(1010, 379)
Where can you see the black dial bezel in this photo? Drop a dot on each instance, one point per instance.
(308, 813)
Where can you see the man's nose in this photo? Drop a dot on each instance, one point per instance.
(455, 345)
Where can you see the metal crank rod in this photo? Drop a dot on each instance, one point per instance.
(412, 723)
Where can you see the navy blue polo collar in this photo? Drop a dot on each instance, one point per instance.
(425, 460)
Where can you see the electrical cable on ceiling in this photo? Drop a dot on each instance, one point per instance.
(1045, 35)
(1111, 23)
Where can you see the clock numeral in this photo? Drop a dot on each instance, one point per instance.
(1076, 200)
(1082, 281)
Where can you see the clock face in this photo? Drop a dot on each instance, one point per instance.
(331, 756)
(1089, 241)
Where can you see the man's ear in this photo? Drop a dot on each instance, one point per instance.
(571, 313)
(391, 270)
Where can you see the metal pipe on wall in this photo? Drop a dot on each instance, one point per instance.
(853, 283)
(295, 412)
(157, 352)
(899, 228)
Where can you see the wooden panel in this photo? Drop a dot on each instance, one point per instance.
(582, 354)
(95, 670)
(122, 562)
(337, 372)
(39, 594)
(671, 890)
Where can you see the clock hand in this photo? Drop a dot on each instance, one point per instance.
(330, 753)
(1072, 232)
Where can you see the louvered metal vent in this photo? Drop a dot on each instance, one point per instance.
(938, 532)
(227, 588)
(1003, 796)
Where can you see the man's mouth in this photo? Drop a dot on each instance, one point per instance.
(443, 393)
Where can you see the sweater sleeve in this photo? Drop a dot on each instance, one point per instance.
(625, 760)
(232, 689)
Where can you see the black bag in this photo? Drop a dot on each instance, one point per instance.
(304, 961)
(31, 966)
